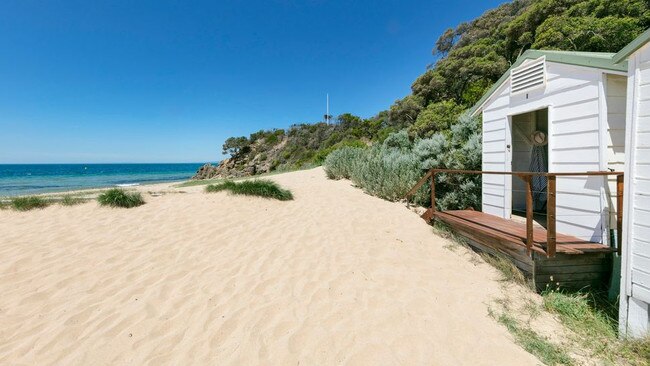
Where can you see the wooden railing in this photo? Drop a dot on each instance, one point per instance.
(551, 188)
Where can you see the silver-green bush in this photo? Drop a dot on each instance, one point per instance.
(339, 163)
(390, 169)
(386, 172)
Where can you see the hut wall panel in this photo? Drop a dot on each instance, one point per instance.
(573, 97)
(588, 122)
(642, 248)
(495, 122)
(614, 138)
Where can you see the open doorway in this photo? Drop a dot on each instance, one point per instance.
(529, 153)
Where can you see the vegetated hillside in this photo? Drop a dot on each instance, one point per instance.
(471, 57)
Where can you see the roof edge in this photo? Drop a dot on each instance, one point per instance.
(601, 61)
(631, 47)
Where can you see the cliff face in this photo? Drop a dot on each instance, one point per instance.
(301, 145)
(258, 160)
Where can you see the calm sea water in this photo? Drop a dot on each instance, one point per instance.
(22, 179)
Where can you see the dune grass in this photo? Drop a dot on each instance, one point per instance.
(119, 198)
(222, 186)
(594, 321)
(507, 270)
(534, 343)
(259, 187)
(70, 200)
(28, 203)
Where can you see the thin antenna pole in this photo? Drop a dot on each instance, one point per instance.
(327, 114)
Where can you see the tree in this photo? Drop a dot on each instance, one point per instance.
(438, 116)
(404, 112)
(348, 120)
(445, 42)
(608, 34)
(235, 146)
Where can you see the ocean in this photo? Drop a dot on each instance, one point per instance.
(25, 179)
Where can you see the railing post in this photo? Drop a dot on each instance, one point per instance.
(550, 215)
(433, 194)
(529, 213)
(619, 213)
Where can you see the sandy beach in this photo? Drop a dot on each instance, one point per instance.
(334, 277)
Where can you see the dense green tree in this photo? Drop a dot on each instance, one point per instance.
(348, 120)
(405, 111)
(475, 54)
(438, 116)
(236, 146)
(586, 33)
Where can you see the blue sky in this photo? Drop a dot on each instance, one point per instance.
(168, 81)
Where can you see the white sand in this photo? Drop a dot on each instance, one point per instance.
(334, 277)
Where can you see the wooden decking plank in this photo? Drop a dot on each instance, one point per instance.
(481, 231)
(515, 232)
(494, 229)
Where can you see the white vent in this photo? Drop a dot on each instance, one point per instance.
(529, 76)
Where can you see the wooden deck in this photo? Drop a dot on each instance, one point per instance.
(552, 259)
(515, 232)
(577, 263)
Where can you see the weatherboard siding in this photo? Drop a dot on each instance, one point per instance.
(573, 97)
(640, 215)
(615, 90)
(638, 237)
(495, 124)
(635, 282)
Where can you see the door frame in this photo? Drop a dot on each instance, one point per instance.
(507, 204)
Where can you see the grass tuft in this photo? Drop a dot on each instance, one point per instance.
(69, 200)
(223, 186)
(594, 321)
(534, 343)
(509, 272)
(578, 312)
(638, 347)
(28, 203)
(119, 198)
(261, 188)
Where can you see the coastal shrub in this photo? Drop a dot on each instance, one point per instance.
(458, 148)
(28, 203)
(398, 140)
(119, 198)
(320, 155)
(339, 163)
(259, 187)
(389, 170)
(386, 172)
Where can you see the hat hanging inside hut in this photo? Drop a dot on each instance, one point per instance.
(538, 138)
